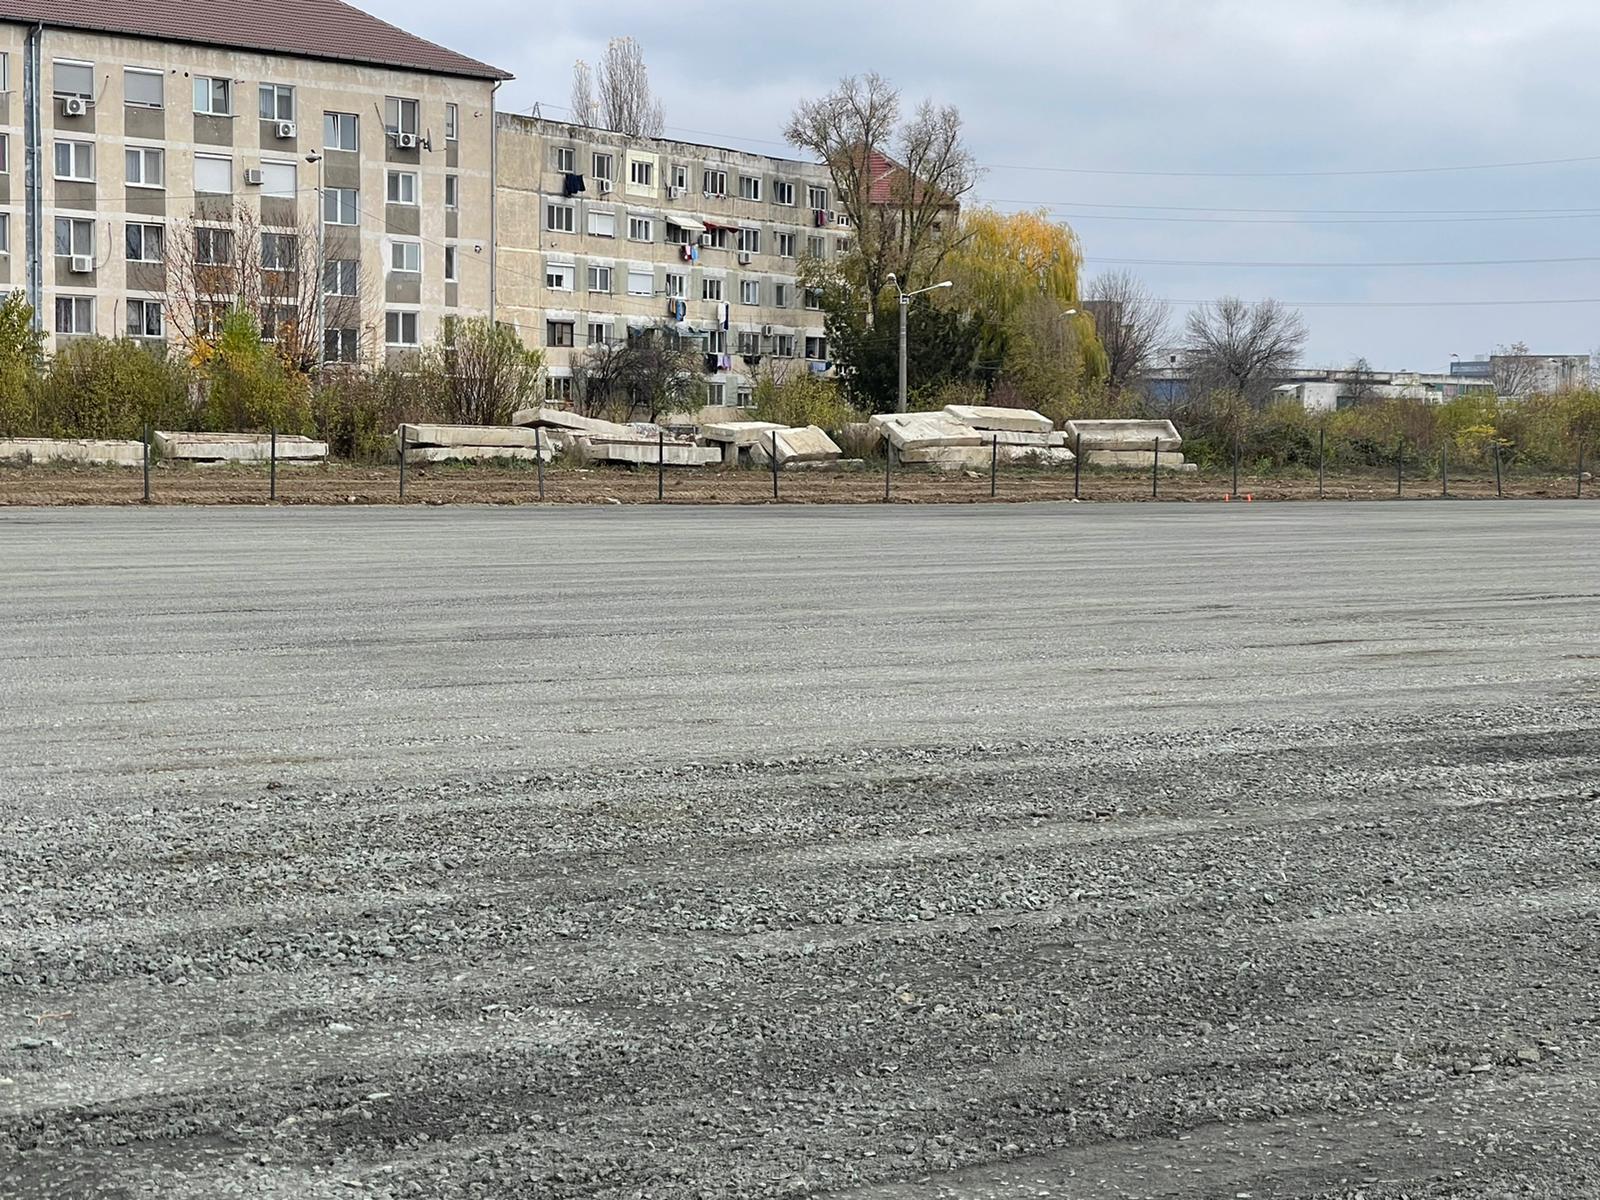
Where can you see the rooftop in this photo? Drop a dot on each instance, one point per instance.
(302, 28)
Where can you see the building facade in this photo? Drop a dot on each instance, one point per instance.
(306, 139)
(603, 235)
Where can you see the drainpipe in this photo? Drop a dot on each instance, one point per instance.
(32, 186)
(494, 189)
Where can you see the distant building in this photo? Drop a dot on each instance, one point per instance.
(1326, 391)
(1527, 374)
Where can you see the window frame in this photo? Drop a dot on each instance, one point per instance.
(452, 193)
(145, 307)
(337, 195)
(706, 178)
(144, 238)
(645, 224)
(212, 158)
(141, 154)
(636, 166)
(609, 176)
(213, 236)
(593, 274)
(278, 91)
(551, 208)
(566, 160)
(73, 145)
(752, 192)
(391, 177)
(76, 304)
(750, 292)
(56, 91)
(338, 336)
(403, 105)
(333, 123)
(400, 315)
(634, 274)
(560, 270)
(553, 340)
(73, 225)
(452, 121)
(145, 73)
(211, 83)
(407, 250)
(337, 268)
(452, 262)
(709, 284)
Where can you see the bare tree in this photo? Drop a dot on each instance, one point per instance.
(484, 371)
(600, 380)
(655, 371)
(1515, 371)
(1361, 383)
(617, 95)
(1242, 348)
(898, 183)
(1131, 323)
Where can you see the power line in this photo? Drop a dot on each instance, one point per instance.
(1411, 303)
(1460, 262)
(1057, 210)
(1567, 210)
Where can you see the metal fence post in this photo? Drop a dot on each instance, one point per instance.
(1580, 469)
(774, 457)
(661, 465)
(1077, 465)
(1235, 490)
(538, 457)
(888, 464)
(994, 464)
(1400, 468)
(272, 486)
(147, 462)
(1497, 492)
(1155, 466)
(1444, 468)
(402, 461)
(1322, 459)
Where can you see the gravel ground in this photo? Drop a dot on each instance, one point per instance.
(1121, 851)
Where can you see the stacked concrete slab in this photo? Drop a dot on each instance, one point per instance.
(94, 452)
(933, 439)
(795, 447)
(236, 447)
(1127, 444)
(592, 440)
(471, 443)
(736, 437)
(1021, 434)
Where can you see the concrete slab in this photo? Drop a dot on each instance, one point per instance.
(808, 443)
(236, 447)
(467, 435)
(1122, 435)
(444, 454)
(92, 452)
(911, 431)
(560, 418)
(649, 452)
(947, 458)
(1036, 456)
(739, 433)
(1011, 437)
(1132, 459)
(989, 416)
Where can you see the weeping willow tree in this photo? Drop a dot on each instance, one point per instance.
(1019, 272)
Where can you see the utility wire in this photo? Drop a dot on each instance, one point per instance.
(1461, 262)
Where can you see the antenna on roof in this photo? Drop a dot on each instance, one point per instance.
(534, 111)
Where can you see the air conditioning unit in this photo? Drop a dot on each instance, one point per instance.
(252, 176)
(74, 106)
(673, 192)
(603, 186)
(744, 258)
(82, 264)
(766, 331)
(405, 141)
(705, 239)
(285, 129)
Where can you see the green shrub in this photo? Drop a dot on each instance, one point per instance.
(112, 388)
(802, 399)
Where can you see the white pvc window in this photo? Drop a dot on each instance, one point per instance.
(213, 96)
(213, 175)
(402, 187)
(142, 89)
(75, 160)
(279, 179)
(405, 257)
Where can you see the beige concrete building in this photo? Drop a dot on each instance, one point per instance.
(318, 121)
(601, 234)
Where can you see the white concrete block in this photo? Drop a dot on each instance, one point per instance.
(910, 431)
(88, 451)
(1122, 435)
(947, 458)
(738, 433)
(560, 418)
(1132, 459)
(649, 452)
(466, 435)
(444, 454)
(1036, 456)
(988, 416)
(809, 443)
(236, 447)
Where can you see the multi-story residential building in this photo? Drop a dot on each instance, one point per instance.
(1522, 374)
(123, 123)
(602, 235)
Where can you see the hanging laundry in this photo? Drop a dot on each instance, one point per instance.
(571, 184)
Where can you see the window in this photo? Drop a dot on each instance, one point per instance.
(599, 333)
(212, 96)
(814, 299)
(785, 245)
(750, 344)
(780, 295)
(75, 160)
(841, 219)
(74, 236)
(452, 192)
(782, 192)
(339, 276)
(405, 257)
(641, 229)
(816, 246)
(600, 279)
(74, 79)
(558, 218)
(558, 333)
(716, 183)
(718, 238)
(400, 328)
(340, 206)
(844, 247)
(602, 223)
(280, 252)
(641, 282)
(750, 241)
(5, 71)
(278, 179)
(717, 342)
(277, 319)
(340, 345)
(750, 291)
(677, 285)
(277, 102)
(452, 122)
(142, 89)
(402, 187)
(5, 233)
(680, 177)
(816, 197)
(816, 348)
(711, 288)
(783, 345)
(5, 153)
(714, 394)
(144, 242)
(642, 172)
(400, 116)
(340, 131)
(558, 389)
(74, 314)
(213, 247)
(744, 397)
(144, 319)
(566, 160)
(451, 261)
(558, 277)
(213, 174)
(677, 235)
(749, 187)
(602, 168)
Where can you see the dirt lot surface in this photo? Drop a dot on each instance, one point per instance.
(1243, 851)
(341, 483)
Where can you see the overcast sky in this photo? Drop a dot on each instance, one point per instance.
(1189, 88)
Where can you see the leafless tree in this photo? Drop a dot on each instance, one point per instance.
(1241, 348)
(1361, 383)
(1514, 370)
(1131, 324)
(899, 183)
(484, 371)
(616, 94)
(215, 262)
(600, 380)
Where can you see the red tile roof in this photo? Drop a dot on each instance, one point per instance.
(299, 28)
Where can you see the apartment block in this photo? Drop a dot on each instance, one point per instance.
(603, 235)
(316, 120)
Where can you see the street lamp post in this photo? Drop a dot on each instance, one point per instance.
(905, 308)
(316, 157)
